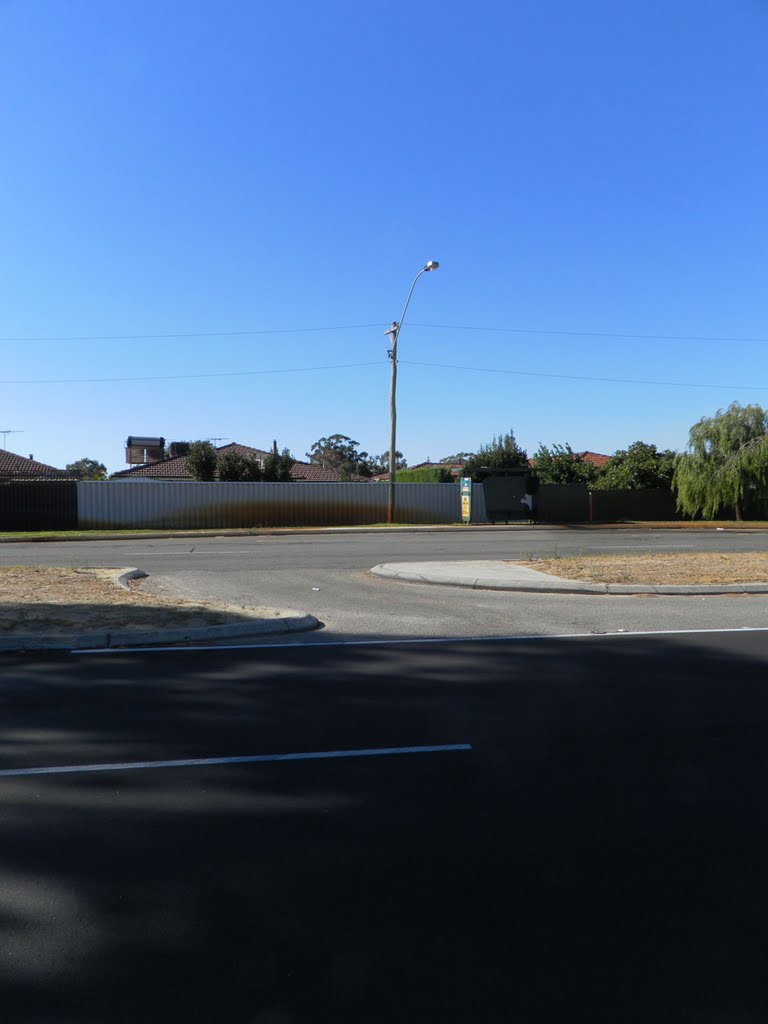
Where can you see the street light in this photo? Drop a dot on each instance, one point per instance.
(395, 332)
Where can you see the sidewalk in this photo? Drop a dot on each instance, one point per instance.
(495, 575)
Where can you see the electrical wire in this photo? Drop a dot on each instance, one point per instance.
(623, 335)
(190, 376)
(591, 334)
(578, 377)
(195, 334)
(381, 362)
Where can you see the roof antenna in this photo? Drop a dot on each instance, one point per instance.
(5, 434)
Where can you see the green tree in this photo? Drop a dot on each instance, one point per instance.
(461, 458)
(339, 452)
(561, 465)
(88, 469)
(725, 464)
(237, 468)
(277, 468)
(202, 461)
(380, 463)
(503, 452)
(640, 465)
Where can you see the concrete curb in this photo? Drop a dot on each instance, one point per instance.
(471, 581)
(121, 580)
(308, 531)
(286, 622)
(318, 530)
(149, 638)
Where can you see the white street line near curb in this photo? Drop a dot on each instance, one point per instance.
(424, 640)
(196, 762)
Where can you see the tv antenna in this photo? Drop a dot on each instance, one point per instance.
(213, 440)
(5, 434)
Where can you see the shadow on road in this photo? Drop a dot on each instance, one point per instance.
(598, 855)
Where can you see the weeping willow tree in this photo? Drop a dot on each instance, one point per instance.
(726, 461)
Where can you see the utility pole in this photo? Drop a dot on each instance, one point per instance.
(394, 331)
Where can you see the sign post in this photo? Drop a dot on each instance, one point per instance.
(466, 499)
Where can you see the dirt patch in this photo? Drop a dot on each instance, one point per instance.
(39, 599)
(654, 569)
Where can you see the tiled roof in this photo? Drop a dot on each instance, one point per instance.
(595, 459)
(176, 469)
(19, 467)
(314, 474)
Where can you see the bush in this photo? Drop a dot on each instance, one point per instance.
(236, 468)
(201, 461)
(426, 475)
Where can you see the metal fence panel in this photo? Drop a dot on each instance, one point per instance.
(479, 514)
(38, 505)
(161, 504)
(642, 505)
(562, 503)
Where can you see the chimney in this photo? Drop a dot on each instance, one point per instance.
(31, 458)
(274, 447)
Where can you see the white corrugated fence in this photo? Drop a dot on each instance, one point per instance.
(169, 504)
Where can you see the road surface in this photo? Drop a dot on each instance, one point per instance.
(327, 576)
(592, 848)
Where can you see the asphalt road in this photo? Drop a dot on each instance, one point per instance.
(597, 855)
(327, 576)
(359, 551)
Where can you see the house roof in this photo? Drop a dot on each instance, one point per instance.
(18, 467)
(592, 458)
(595, 458)
(176, 469)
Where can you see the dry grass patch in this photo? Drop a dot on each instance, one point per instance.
(673, 569)
(39, 599)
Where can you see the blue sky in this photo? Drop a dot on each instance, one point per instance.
(207, 168)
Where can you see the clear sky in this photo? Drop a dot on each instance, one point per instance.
(263, 180)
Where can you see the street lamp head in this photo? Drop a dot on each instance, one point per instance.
(432, 265)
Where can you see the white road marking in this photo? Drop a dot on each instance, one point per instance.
(424, 640)
(195, 762)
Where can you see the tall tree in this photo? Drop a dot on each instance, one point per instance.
(460, 458)
(725, 463)
(640, 465)
(503, 452)
(202, 461)
(380, 463)
(561, 465)
(339, 452)
(88, 469)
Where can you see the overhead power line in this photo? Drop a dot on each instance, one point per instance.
(381, 362)
(590, 334)
(608, 335)
(194, 334)
(188, 376)
(600, 380)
